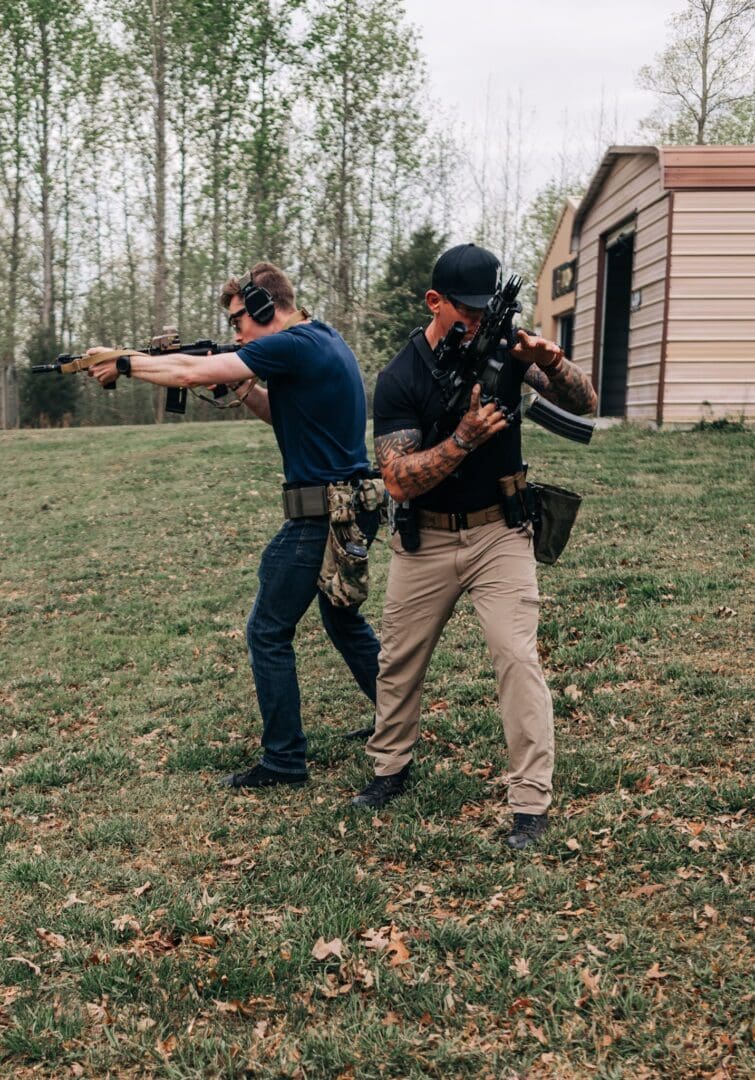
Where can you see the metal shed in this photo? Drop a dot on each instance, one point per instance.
(658, 288)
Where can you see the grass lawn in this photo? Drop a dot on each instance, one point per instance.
(152, 924)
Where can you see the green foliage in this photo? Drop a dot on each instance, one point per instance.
(398, 302)
(46, 400)
(703, 78)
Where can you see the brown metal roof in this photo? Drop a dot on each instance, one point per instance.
(682, 168)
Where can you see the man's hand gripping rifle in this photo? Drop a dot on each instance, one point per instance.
(460, 367)
(168, 341)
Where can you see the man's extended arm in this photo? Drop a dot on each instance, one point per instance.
(181, 369)
(409, 471)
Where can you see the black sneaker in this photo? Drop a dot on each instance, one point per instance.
(527, 829)
(382, 789)
(260, 776)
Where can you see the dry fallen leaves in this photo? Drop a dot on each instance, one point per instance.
(521, 967)
(49, 939)
(165, 1047)
(323, 950)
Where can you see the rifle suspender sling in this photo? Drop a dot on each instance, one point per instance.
(419, 341)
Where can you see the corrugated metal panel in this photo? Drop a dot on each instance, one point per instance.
(711, 328)
(631, 186)
(711, 352)
(712, 266)
(704, 287)
(701, 221)
(708, 167)
(731, 370)
(691, 412)
(716, 308)
(715, 242)
(711, 200)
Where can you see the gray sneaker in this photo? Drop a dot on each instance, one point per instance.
(526, 830)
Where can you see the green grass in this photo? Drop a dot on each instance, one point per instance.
(152, 924)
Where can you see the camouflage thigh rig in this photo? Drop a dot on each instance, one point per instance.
(344, 574)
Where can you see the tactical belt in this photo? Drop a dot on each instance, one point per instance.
(305, 502)
(431, 519)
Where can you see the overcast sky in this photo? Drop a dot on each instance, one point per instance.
(563, 55)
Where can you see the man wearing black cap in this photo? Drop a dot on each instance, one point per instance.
(465, 545)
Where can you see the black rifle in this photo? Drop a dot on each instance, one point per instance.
(168, 341)
(460, 366)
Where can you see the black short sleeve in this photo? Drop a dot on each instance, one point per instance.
(395, 407)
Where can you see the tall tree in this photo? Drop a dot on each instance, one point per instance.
(398, 301)
(704, 73)
(363, 85)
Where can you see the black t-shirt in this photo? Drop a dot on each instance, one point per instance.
(407, 396)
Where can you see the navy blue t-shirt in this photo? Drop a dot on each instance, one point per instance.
(317, 401)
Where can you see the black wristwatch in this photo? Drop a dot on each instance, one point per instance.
(123, 365)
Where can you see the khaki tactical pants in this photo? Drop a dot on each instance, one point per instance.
(496, 566)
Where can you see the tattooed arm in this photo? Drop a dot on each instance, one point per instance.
(409, 471)
(553, 376)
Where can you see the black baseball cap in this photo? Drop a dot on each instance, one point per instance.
(467, 273)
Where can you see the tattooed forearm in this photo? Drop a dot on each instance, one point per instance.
(567, 386)
(409, 471)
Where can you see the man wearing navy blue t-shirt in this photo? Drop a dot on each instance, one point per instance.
(316, 404)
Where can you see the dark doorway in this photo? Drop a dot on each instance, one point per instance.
(566, 333)
(618, 288)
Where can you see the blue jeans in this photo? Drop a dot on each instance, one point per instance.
(288, 575)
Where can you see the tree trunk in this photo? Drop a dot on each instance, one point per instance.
(160, 268)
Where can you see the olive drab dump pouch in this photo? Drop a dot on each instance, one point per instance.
(556, 514)
(344, 574)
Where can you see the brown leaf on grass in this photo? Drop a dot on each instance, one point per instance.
(207, 941)
(521, 967)
(141, 889)
(323, 950)
(646, 890)
(49, 939)
(97, 1013)
(376, 939)
(538, 1033)
(592, 982)
(573, 844)
(391, 1019)
(654, 972)
(125, 922)
(695, 827)
(572, 692)
(397, 950)
(438, 706)
(615, 941)
(165, 1047)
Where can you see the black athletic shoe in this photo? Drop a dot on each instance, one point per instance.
(260, 776)
(360, 733)
(527, 829)
(382, 789)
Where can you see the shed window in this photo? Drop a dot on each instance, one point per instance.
(564, 278)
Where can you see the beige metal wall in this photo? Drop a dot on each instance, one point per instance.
(710, 353)
(548, 310)
(632, 187)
